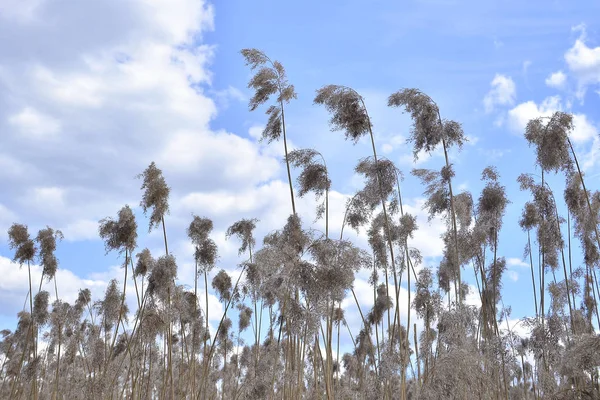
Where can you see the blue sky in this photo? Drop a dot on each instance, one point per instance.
(91, 93)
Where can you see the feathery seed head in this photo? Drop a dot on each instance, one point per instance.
(162, 276)
(199, 230)
(40, 308)
(206, 248)
(270, 79)
(18, 239)
(243, 229)
(313, 177)
(222, 284)
(428, 130)
(156, 194)
(550, 138)
(46, 239)
(145, 263)
(84, 298)
(348, 111)
(408, 225)
(245, 317)
(380, 179)
(110, 305)
(120, 234)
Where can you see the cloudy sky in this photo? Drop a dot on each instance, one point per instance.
(91, 92)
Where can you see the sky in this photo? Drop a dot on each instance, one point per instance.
(92, 92)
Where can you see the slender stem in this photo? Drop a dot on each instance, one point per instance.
(387, 230)
(452, 208)
(287, 163)
(33, 328)
(532, 275)
(229, 302)
(170, 328)
(114, 339)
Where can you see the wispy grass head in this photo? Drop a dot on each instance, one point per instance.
(46, 239)
(120, 234)
(199, 229)
(225, 328)
(145, 263)
(438, 195)
(378, 240)
(313, 176)
(492, 204)
(84, 297)
(270, 79)
(347, 109)
(428, 129)
(222, 285)
(574, 194)
(40, 308)
(19, 240)
(380, 179)
(245, 317)
(156, 194)
(407, 227)
(546, 217)
(336, 264)
(293, 235)
(426, 301)
(382, 303)
(110, 305)
(494, 278)
(162, 276)
(550, 138)
(529, 217)
(206, 248)
(463, 205)
(243, 230)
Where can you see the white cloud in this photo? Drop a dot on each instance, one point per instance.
(422, 157)
(134, 93)
(7, 217)
(516, 262)
(556, 80)
(14, 288)
(513, 275)
(472, 140)
(256, 131)
(502, 93)
(75, 89)
(47, 197)
(201, 151)
(24, 11)
(225, 96)
(15, 285)
(427, 238)
(583, 129)
(472, 297)
(387, 148)
(494, 154)
(583, 62)
(81, 229)
(392, 142)
(34, 124)
(590, 158)
(519, 116)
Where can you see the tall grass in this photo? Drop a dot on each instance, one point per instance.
(279, 334)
